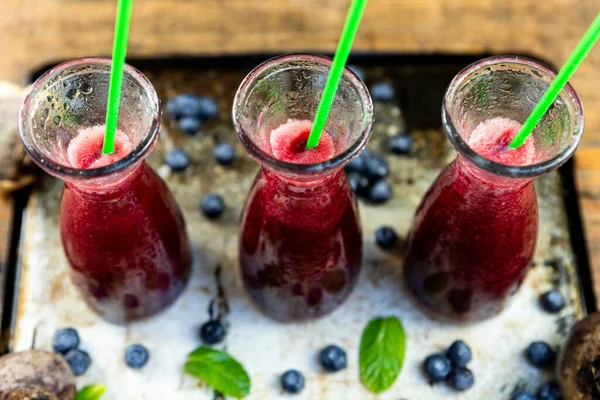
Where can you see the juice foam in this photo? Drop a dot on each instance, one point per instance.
(492, 137)
(85, 150)
(288, 143)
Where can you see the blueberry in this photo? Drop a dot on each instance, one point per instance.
(333, 358)
(359, 163)
(459, 354)
(461, 379)
(79, 361)
(540, 354)
(437, 367)
(136, 356)
(212, 205)
(224, 154)
(189, 125)
(184, 105)
(177, 159)
(208, 107)
(552, 301)
(523, 396)
(549, 391)
(64, 340)
(358, 71)
(380, 192)
(292, 381)
(212, 332)
(386, 237)
(358, 183)
(383, 91)
(376, 167)
(400, 144)
(173, 107)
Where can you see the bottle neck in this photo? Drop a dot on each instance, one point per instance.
(110, 187)
(304, 187)
(487, 179)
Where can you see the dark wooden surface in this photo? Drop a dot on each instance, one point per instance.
(34, 33)
(6, 217)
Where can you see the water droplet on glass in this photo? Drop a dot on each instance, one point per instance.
(71, 94)
(86, 88)
(50, 98)
(56, 120)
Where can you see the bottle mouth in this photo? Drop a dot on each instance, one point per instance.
(524, 69)
(53, 87)
(350, 86)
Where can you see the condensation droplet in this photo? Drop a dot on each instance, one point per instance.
(86, 88)
(71, 94)
(56, 120)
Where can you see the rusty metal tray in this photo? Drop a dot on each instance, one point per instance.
(45, 299)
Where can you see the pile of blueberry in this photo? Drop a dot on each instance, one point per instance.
(190, 110)
(366, 174)
(451, 367)
(367, 171)
(332, 359)
(66, 341)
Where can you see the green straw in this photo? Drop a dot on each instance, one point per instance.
(337, 68)
(116, 73)
(582, 49)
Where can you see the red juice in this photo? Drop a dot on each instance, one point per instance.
(300, 243)
(474, 233)
(124, 238)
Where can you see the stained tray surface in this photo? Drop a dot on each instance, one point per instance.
(46, 299)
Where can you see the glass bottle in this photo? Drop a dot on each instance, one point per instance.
(474, 233)
(300, 241)
(122, 232)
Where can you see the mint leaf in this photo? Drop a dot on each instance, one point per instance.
(91, 392)
(219, 370)
(381, 354)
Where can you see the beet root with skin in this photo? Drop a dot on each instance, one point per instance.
(35, 374)
(578, 365)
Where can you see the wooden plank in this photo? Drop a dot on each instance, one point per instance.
(35, 33)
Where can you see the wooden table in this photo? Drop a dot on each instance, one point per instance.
(35, 33)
